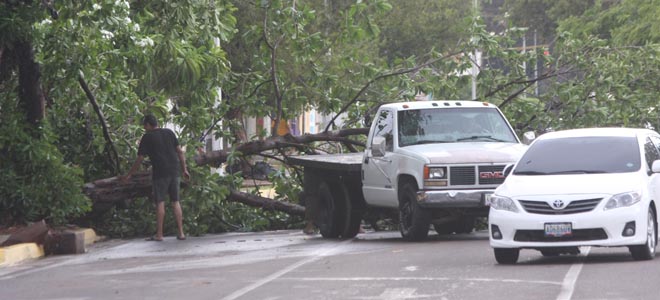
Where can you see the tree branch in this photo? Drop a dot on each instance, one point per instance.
(218, 157)
(396, 73)
(99, 113)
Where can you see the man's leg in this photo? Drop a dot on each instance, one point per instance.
(160, 217)
(176, 205)
(178, 215)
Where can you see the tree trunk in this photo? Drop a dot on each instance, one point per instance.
(29, 81)
(105, 193)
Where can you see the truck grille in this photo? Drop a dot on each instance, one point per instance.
(575, 207)
(467, 175)
(462, 175)
(495, 175)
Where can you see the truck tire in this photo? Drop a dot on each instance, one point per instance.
(353, 211)
(413, 220)
(338, 218)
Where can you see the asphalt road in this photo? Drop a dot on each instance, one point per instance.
(290, 265)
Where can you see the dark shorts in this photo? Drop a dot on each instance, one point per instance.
(166, 186)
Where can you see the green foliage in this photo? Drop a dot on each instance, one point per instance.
(36, 182)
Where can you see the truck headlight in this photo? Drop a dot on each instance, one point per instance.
(435, 172)
(503, 203)
(623, 200)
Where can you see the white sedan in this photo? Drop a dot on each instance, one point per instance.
(581, 187)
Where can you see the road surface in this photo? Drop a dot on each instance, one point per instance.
(290, 265)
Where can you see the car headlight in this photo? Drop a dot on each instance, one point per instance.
(503, 203)
(436, 172)
(623, 200)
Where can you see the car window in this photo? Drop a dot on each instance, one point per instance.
(449, 125)
(651, 153)
(384, 128)
(579, 155)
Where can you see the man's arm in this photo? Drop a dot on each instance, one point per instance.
(134, 168)
(182, 159)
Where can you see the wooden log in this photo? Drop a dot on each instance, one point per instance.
(266, 203)
(33, 233)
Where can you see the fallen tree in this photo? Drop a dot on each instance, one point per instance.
(106, 193)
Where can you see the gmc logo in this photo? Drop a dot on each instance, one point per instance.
(491, 175)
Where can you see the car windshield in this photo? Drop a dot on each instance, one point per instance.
(450, 125)
(580, 155)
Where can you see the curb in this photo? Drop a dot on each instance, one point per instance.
(18, 253)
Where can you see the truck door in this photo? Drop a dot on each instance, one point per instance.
(378, 170)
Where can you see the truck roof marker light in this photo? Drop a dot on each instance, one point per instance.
(446, 104)
(405, 106)
(458, 104)
(485, 103)
(434, 104)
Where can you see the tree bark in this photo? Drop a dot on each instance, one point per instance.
(106, 192)
(218, 157)
(29, 81)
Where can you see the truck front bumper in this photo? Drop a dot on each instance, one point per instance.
(454, 198)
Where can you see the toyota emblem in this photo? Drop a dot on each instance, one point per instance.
(558, 204)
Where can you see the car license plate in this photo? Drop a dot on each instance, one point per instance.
(487, 199)
(558, 229)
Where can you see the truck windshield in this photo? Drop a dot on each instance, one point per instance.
(580, 155)
(450, 125)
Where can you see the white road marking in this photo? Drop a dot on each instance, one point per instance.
(419, 279)
(411, 268)
(568, 286)
(278, 274)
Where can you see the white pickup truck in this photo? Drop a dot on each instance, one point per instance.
(433, 162)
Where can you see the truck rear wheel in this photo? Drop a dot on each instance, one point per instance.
(413, 220)
(337, 217)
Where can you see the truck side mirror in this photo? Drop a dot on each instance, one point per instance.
(378, 146)
(529, 137)
(655, 167)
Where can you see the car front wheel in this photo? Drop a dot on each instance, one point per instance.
(646, 251)
(506, 256)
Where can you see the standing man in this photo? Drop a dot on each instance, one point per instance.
(162, 147)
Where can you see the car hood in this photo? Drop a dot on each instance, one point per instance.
(537, 185)
(473, 153)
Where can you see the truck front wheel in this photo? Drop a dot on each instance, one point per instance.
(413, 220)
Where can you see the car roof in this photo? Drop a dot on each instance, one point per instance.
(437, 104)
(589, 132)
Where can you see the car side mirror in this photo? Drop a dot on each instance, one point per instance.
(529, 137)
(378, 146)
(507, 169)
(655, 167)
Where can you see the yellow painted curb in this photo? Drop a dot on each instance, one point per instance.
(90, 235)
(20, 252)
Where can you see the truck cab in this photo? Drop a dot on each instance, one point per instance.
(437, 162)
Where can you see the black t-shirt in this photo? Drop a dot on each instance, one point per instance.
(160, 145)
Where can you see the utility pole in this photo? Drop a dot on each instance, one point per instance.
(474, 58)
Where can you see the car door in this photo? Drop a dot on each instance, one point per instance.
(378, 171)
(653, 146)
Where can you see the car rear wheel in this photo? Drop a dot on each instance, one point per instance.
(506, 256)
(646, 251)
